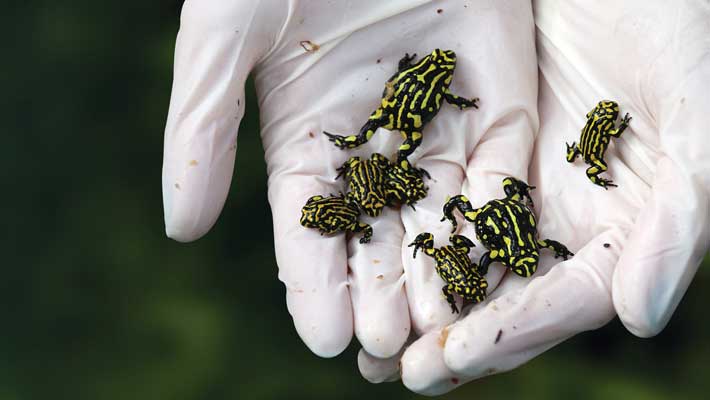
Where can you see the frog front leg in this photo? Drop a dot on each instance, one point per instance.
(362, 227)
(460, 102)
(622, 126)
(448, 291)
(572, 152)
(377, 119)
(461, 203)
(598, 166)
(486, 259)
(347, 166)
(406, 62)
(462, 242)
(559, 249)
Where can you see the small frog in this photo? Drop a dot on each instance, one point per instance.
(366, 180)
(596, 135)
(405, 186)
(507, 228)
(332, 215)
(412, 97)
(376, 182)
(454, 267)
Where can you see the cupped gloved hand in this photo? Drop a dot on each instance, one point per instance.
(321, 66)
(637, 245)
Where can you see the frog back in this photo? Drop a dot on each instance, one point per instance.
(414, 95)
(329, 214)
(452, 264)
(595, 133)
(507, 225)
(367, 186)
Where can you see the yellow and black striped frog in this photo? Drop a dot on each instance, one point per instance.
(376, 182)
(460, 275)
(507, 228)
(334, 214)
(411, 98)
(366, 181)
(595, 139)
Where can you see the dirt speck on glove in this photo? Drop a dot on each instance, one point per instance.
(498, 336)
(309, 46)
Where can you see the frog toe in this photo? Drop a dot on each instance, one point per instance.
(338, 140)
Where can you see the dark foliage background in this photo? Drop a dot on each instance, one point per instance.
(97, 303)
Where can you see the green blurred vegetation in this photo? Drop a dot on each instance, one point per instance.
(98, 304)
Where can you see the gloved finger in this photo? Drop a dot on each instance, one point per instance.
(486, 170)
(218, 44)
(664, 250)
(672, 231)
(507, 124)
(316, 267)
(379, 370)
(422, 368)
(380, 309)
(312, 267)
(527, 318)
(428, 308)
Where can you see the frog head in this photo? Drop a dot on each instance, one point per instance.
(380, 160)
(605, 109)
(347, 166)
(405, 185)
(443, 57)
(309, 212)
(424, 241)
(517, 190)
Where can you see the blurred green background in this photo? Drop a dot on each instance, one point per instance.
(98, 304)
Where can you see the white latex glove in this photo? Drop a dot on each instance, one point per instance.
(322, 66)
(637, 246)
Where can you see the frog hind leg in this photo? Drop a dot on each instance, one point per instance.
(376, 120)
(559, 249)
(362, 227)
(461, 203)
(572, 152)
(598, 166)
(448, 294)
(525, 265)
(412, 140)
(476, 286)
(461, 102)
